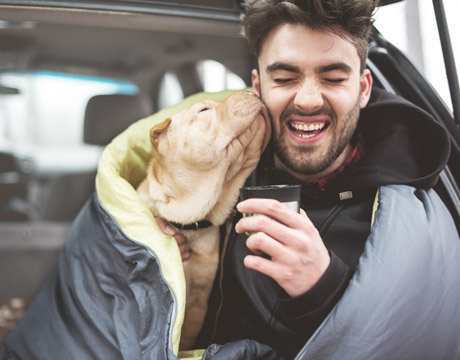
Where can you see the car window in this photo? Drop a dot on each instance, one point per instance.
(415, 20)
(41, 140)
(213, 77)
(216, 77)
(170, 90)
(44, 120)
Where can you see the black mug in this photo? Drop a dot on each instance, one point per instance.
(288, 195)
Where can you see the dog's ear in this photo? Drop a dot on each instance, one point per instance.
(157, 130)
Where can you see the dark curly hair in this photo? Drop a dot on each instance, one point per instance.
(350, 19)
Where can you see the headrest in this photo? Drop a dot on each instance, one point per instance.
(108, 115)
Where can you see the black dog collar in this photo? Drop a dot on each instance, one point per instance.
(203, 224)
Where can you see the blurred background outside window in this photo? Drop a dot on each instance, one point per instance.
(213, 76)
(44, 121)
(411, 26)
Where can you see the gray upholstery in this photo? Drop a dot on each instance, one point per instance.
(105, 117)
(108, 115)
(67, 195)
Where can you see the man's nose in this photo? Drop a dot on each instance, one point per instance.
(309, 97)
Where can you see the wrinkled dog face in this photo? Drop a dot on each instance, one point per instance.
(206, 148)
(210, 133)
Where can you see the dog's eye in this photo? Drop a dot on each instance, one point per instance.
(204, 109)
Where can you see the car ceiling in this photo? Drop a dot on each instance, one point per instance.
(129, 39)
(134, 46)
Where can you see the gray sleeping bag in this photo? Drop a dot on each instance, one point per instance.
(404, 299)
(119, 292)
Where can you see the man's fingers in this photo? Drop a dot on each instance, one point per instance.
(184, 252)
(166, 227)
(181, 240)
(298, 255)
(271, 227)
(275, 209)
(260, 243)
(262, 265)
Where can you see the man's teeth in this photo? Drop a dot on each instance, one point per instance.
(305, 136)
(311, 127)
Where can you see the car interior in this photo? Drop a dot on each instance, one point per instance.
(141, 56)
(43, 188)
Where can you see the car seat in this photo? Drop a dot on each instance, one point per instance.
(14, 173)
(105, 117)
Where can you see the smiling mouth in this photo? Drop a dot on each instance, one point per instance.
(305, 131)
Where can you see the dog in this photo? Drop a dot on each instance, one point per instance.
(202, 156)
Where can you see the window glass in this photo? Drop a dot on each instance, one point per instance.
(213, 76)
(390, 21)
(44, 120)
(411, 26)
(170, 91)
(46, 170)
(435, 72)
(216, 77)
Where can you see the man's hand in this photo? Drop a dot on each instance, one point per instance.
(298, 255)
(170, 230)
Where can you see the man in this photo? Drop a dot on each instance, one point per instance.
(369, 269)
(311, 75)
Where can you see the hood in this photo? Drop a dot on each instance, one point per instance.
(404, 145)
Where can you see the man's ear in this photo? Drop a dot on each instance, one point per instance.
(157, 130)
(255, 82)
(365, 83)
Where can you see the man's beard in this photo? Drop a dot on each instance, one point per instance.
(310, 160)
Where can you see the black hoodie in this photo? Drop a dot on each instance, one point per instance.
(403, 145)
